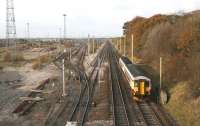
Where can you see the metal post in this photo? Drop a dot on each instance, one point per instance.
(93, 45)
(120, 42)
(28, 32)
(132, 47)
(64, 26)
(99, 77)
(15, 50)
(60, 36)
(88, 44)
(70, 54)
(39, 55)
(63, 73)
(117, 44)
(124, 45)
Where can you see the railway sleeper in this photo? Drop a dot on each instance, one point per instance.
(149, 115)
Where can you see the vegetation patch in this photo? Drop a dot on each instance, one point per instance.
(183, 106)
(38, 62)
(7, 57)
(1, 68)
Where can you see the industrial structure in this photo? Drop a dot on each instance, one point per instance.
(10, 23)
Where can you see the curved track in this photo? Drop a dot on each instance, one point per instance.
(85, 98)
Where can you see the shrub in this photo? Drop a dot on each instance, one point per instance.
(44, 59)
(7, 56)
(15, 57)
(37, 63)
(18, 57)
(1, 68)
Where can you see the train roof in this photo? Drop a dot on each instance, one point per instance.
(134, 70)
(126, 60)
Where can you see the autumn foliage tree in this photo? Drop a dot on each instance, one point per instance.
(176, 38)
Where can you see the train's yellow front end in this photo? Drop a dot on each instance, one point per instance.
(140, 88)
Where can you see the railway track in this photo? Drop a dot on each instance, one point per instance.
(99, 60)
(120, 116)
(145, 112)
(55, 117)
(148, 114)
(81, 108)
(134, 114)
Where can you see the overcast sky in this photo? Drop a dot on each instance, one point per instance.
(96, 17)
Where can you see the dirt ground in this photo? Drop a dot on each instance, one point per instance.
(16, 82)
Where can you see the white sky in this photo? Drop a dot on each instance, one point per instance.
(96, 17)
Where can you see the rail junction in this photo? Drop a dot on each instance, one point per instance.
(85, 86)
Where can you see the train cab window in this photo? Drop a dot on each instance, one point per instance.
(136, 83)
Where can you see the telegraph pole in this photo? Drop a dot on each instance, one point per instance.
(132, 47)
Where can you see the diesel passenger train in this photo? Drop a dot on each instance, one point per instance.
(139, 83)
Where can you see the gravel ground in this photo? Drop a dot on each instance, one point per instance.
(101, 98)
(99, 123)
